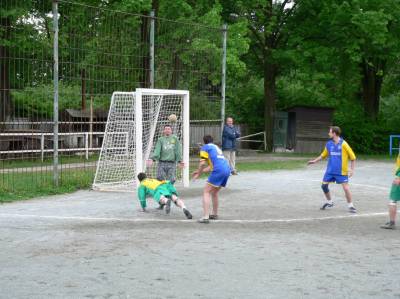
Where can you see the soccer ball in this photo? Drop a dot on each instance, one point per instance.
(172, 118)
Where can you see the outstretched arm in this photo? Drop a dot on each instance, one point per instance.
(316, 160)
(203, 167)
(323, 155)
(142, 197)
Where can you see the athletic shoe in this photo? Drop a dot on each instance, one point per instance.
(161, 206)
(187, 213)
(213, 217)
(234, 173)
(352, 210)
(389, 225)
(326, 205)
(203, 220)
(168, 206)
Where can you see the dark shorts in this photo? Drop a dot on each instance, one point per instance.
(166, 171)
(335, 178)
(219, 178)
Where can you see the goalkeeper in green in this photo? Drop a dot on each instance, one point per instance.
(162, 192)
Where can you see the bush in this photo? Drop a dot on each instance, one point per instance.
(364, 135)
(38, 101)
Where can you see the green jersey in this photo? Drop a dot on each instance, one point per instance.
(168, 148)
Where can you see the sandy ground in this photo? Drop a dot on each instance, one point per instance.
(272, 242)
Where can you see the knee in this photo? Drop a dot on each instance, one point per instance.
(325, 188)
(392, 204)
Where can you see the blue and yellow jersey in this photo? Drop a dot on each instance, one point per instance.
(398, 166)
(148, 188)
(338, 157)
(214, 157)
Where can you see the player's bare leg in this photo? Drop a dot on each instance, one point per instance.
(215, 202)
(392, 216)
(346, 189)
(207, 193)
(179, 202)
(392, 212)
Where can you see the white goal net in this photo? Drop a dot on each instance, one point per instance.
(135, 122)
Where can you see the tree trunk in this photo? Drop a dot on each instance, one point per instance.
(371, 87)
(5, 96)
(269, 102)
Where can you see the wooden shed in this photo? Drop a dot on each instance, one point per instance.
(307, 130)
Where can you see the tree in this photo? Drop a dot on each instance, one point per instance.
(357, 39)
(267, 24)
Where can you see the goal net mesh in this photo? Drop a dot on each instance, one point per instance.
(117, 165)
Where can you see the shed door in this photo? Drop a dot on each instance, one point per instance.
(280, 129)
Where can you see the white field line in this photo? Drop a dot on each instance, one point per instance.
(351, 184)
(107, 219)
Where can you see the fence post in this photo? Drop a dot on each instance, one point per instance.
(87, 145)
(152, 30)
(42, 146)
(55, 100)
(223, 78)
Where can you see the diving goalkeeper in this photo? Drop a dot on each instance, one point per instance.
(162, 192)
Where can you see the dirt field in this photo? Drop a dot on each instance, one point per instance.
(272, 242)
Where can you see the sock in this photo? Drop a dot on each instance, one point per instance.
(183, 206)
(351, 205)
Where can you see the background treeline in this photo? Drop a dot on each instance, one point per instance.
(343, 54)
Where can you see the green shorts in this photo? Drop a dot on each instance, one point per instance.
(395, 193)
(166, 190)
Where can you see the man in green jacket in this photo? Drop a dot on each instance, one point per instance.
(168, 153)
(162, 192)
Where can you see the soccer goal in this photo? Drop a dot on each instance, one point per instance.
(135, 122)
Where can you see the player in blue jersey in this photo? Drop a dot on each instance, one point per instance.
(212, 160)
(338, 153)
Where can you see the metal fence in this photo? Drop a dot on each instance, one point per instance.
(60, 61)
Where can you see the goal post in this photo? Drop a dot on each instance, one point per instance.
(135, 122)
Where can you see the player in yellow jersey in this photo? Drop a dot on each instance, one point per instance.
(394, 197)
(212, 160)
(338, 153)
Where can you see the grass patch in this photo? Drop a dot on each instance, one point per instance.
(21, 186)
(37, 162)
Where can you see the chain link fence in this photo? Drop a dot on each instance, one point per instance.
(100, 50)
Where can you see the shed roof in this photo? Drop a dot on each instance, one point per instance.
(77, 113)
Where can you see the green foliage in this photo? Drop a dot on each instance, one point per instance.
(204, 108)
(364, 135)
(246, 103)
(38, 101)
